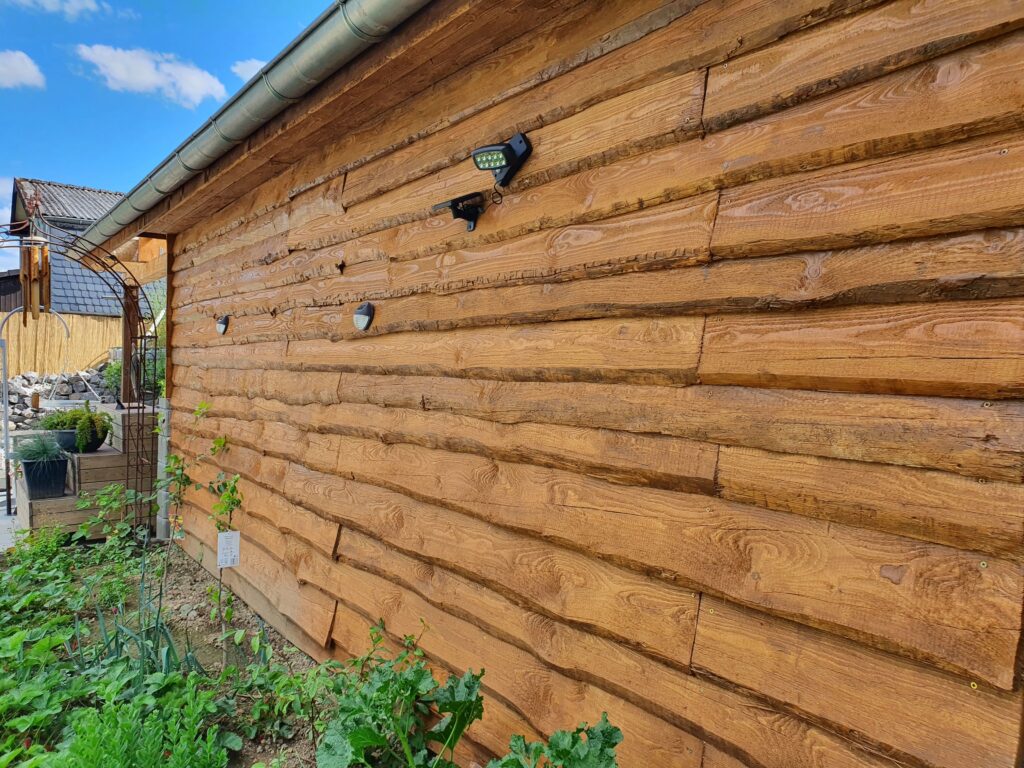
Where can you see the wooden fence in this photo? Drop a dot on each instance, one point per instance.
(714, 423)
(43, 346)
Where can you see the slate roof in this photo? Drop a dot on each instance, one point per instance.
(68, 201)
(74, 289)
(78, 290)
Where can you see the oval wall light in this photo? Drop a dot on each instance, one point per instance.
(363, 316)
(222, 325)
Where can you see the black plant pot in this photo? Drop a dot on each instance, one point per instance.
(45, 479)
(94, 444)
(65, 438)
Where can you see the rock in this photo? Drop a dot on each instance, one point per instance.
(17, 418)
(79, 386)
(30, 376)
(64, 389)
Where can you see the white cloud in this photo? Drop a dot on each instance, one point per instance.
(246, 68)
(17, 70)
(72, 9)
(140, 71)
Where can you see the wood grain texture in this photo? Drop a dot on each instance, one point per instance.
(969, 437)
(714, 423)
(931, 506)
(969, 186)
(611, 601)
(667, 235)
(665, 111)
(719, 713)
(696, 39)
(307, 609)
(641, 351)
(622, 457)
(976, 265)
(917, 714)
(847, 51)
(716, 758)
(705, 35)
(967, 93)
(785, 564)
(544, 698)
(965, 349)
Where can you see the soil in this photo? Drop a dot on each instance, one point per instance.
(187, 604)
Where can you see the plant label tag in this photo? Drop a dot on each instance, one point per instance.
(228, 543)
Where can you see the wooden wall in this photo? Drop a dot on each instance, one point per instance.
(42, 345)
(713, 424)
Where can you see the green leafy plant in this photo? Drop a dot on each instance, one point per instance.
(89, 425)
(112, 376)
(281, 702)
(137, 734)
(386, 711)
(586, 747)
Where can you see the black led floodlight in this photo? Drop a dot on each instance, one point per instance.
(503, 160)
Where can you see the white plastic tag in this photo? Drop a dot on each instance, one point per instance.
(228, 543)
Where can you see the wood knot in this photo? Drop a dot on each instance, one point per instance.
(893, 573)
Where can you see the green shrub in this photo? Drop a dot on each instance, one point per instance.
(112, 376)
(87, 423)
(156, 374)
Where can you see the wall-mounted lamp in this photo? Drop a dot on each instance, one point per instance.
(222, 325)
(503, 160)
(468, 208)
(363, 316)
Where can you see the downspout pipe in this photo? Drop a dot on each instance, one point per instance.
(338, 35)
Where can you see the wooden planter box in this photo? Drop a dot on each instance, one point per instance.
(138, 427)
(49, 513)
(91, 472)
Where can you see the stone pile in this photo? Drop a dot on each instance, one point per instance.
(83, 385)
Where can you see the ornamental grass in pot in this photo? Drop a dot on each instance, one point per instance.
(80, 430)
(44, 464)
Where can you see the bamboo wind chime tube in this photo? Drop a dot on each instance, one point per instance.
(44, 278)
(34, 278)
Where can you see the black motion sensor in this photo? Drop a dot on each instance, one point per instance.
(468, 208)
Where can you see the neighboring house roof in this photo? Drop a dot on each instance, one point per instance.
(67, 201)
(73, 288)
(78, 290)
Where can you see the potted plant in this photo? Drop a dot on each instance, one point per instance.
(45, 466)
(81, 430)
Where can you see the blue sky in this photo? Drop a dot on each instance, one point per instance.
(97, 92)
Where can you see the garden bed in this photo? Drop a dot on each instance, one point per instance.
(188, 607)
(126, 653)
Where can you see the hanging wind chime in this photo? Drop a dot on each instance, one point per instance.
(35, 277)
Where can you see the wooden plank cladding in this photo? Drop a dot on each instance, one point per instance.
(714, 422)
